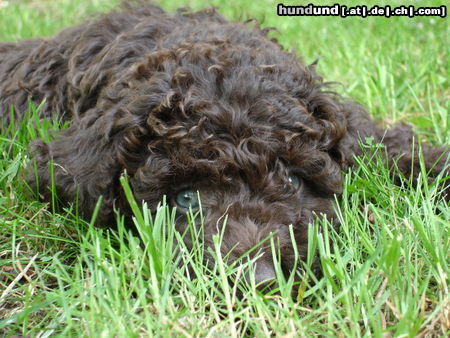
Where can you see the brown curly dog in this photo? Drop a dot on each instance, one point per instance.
(189, 103)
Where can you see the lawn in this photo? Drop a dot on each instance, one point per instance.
(385, 270)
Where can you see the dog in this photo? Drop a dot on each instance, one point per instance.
(191, 103)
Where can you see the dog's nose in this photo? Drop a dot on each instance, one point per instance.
(265, 275)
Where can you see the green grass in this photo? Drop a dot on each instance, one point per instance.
(387, 272)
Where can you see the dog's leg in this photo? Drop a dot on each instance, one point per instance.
(402, 148)
(405, 152)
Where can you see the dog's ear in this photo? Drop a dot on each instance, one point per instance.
(84, 163)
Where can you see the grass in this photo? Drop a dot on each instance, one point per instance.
(386, 274)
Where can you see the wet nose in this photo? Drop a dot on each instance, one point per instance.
(265, 275)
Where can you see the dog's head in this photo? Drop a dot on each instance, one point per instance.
(252, 132)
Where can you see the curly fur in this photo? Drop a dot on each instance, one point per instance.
(192, 100)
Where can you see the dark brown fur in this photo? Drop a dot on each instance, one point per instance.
(193, 101)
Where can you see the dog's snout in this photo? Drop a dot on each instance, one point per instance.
(265, 275)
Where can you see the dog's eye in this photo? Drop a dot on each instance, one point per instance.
(187, 198)
(294, 181)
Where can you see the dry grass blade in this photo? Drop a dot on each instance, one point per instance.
(21, 275)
